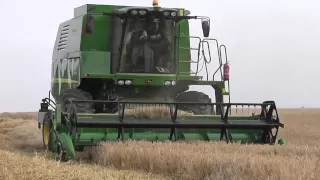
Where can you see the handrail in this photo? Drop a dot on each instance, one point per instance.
(189, 47)
(206, 41)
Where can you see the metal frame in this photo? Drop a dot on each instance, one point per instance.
(265, 121)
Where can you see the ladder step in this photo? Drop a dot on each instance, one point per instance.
(189, 48)
(188, 72)
(189, 61)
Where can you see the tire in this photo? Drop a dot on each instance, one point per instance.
(48, 138)
(78, 94)
(195, 96)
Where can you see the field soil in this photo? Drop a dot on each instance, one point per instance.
(22, 156)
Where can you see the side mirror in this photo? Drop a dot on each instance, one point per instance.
(206, 28)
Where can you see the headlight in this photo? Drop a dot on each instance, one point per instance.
(166, 13)
(173, 14)
(134, 12)
(128, 82)
(142, 12)
(173, 83)
(121, 82)
(167, 83)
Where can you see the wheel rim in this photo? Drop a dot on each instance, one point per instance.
(46, 133)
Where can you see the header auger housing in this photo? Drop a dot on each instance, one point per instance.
(122, 73)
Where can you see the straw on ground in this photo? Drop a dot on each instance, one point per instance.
(21, 156)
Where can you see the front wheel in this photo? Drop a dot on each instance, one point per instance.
(195, 96)
(78, 94)
(48, 138)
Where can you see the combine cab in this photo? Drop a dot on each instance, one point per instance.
(122, 73)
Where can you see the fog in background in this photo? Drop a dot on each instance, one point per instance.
(273, 47)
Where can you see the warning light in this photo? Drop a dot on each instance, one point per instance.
(155, 3)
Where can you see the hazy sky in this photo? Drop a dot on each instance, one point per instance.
(273, 46)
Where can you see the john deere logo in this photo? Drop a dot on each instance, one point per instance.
(149, 81)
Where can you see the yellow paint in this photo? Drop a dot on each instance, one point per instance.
(63, 80)
(46, 133)
(181, 12)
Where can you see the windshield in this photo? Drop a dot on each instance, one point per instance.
(148, 46)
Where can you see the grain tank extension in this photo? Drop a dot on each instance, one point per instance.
(124, 72)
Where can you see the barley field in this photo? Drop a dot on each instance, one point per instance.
(22, 157)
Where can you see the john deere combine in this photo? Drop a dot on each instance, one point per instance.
(123, 72)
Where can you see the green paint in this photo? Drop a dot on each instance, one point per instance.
(64, 80)
(282, 141)
(94, 54)
(156, 79)
(94, 49)
(96, 62)
(65, 75)
(51, 144)
(98, 39)
(185, 117)
(80, 57)
(95, 137)
(67, 144)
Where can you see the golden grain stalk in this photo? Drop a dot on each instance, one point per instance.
(149, 112)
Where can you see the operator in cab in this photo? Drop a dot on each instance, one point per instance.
(147, 46)
(158, 41)
(135, 45)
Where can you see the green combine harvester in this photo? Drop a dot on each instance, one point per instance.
(124, 72)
